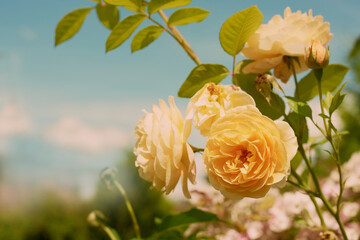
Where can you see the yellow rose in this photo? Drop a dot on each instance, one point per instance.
(247, 153)
(211, 102)
(163, 155)
(272, 44)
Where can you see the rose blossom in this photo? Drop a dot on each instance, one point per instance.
(247, 153)
(273, 43)
(163, 155)
(211, 102)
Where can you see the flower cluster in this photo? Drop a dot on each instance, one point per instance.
(246, 152)
(274, 44)
(278, 214)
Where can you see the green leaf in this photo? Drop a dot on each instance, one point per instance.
(123, 30)
(274, 110)
(132, 5)
(201, 75)
(295, 162)
(186, 218)
(173, 235)
(187, 15)
(156, 5)
(336, 100)
(70, 24)
(296, 120)
(323, 115)
(108, 15)
(332, 76)
(355, 50)
(238, 28)
(240, 65)
(145, 36)
(300, 107)
(327, 100)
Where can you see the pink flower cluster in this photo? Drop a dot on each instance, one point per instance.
(289, 215)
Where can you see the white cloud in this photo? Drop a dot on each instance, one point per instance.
(13, 121)
(72, 133)
(28, 34)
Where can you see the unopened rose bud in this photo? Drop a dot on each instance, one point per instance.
(316, 56)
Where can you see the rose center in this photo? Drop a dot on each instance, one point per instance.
(215, 93)
(241, 161)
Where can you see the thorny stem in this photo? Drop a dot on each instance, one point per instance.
(301, 186)
(318, 74)
(301, 125)
(301, 150)
(338, 165)
(180, 39)
(321, 194)
(311, 195)
(328, 136)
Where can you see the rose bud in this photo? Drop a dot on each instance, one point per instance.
(317, 56)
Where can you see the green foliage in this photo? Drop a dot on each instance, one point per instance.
(175, 235)
(351, 115)
(194, 215)
(201, 75)
(173, 226)
(336, 100)
(123, 30)
(332, 76)
(145, 36)
(187, 15)
(156, 5)
(299, 125)
(108, 15)
(351, 121)
(300, 107)
(112, 233)
(70, 24)
(354, 59)
(132, 5)
(62, 215)
(295, 162)
(355, 51)
(148, 204)
(238, 28)
(274, 109)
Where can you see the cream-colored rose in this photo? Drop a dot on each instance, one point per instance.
(273, 43)
(163, 155)
(211, 102)
(247, 153)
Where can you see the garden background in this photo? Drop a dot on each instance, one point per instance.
(68, 112)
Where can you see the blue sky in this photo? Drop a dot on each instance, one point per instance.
(77, 79)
